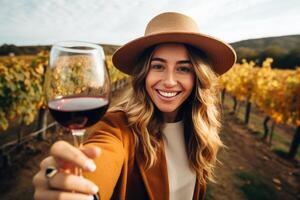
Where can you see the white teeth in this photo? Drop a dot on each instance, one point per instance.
(167, 94)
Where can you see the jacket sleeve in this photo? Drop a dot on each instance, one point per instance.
(106, 134)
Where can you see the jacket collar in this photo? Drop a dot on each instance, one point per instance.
(155, 178)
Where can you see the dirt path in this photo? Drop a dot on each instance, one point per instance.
(247, 157)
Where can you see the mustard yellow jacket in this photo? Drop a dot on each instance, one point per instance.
(120, 172)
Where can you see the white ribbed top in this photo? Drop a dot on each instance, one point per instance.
(182, 178)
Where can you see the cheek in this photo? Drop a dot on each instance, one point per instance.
(149, 83)
(150, 80)
(189, 83)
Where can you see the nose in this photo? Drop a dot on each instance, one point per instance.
(169, 79)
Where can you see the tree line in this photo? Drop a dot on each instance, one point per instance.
(11, 49)
(283, 58)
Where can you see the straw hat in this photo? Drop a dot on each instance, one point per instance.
(179, 28)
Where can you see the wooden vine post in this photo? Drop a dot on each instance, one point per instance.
(248, 111)
(266, 128)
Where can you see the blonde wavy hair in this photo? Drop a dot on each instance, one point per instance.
(201, 115)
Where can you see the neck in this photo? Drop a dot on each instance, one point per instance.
(172, 117)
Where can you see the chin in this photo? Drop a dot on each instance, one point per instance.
(166, 110)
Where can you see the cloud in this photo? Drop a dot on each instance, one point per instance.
(118, 21)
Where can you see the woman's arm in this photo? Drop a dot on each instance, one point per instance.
(106, 137)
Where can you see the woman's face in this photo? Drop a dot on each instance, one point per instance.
(170, 79)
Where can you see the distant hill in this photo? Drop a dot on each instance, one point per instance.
(285, 50)
(287, 42)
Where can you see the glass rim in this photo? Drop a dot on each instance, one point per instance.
(68, 45)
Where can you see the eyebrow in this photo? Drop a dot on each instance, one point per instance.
(164, 61)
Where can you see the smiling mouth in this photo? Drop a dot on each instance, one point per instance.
(167, 94)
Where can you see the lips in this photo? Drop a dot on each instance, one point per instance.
(168, 94)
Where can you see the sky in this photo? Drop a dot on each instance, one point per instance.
(37, 22)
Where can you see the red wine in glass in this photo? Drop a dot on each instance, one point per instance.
(78, 112)
(77, 87)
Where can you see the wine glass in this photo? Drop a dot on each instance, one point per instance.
(77, 87)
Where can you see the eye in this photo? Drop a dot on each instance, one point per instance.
(185, 69)
(157, 66)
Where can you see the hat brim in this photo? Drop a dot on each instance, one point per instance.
(221, 55)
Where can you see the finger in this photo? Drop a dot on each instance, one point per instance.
(57, 163)
(70, 182)
(68, 153)
(49, 161)
(91, 151)
(58, 195)
(39, 180)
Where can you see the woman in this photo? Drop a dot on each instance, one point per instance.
(161, 140)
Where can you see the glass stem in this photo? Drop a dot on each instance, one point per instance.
(78, 136)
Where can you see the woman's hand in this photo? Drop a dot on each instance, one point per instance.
(62, 185)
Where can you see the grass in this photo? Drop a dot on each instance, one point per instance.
(281, 153)
(283, 140)
(254, 188)
(282, 135)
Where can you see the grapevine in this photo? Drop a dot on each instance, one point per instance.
(21, 86)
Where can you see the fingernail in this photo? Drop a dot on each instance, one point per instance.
(94, 189)
(91, 197)
(90, 165)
